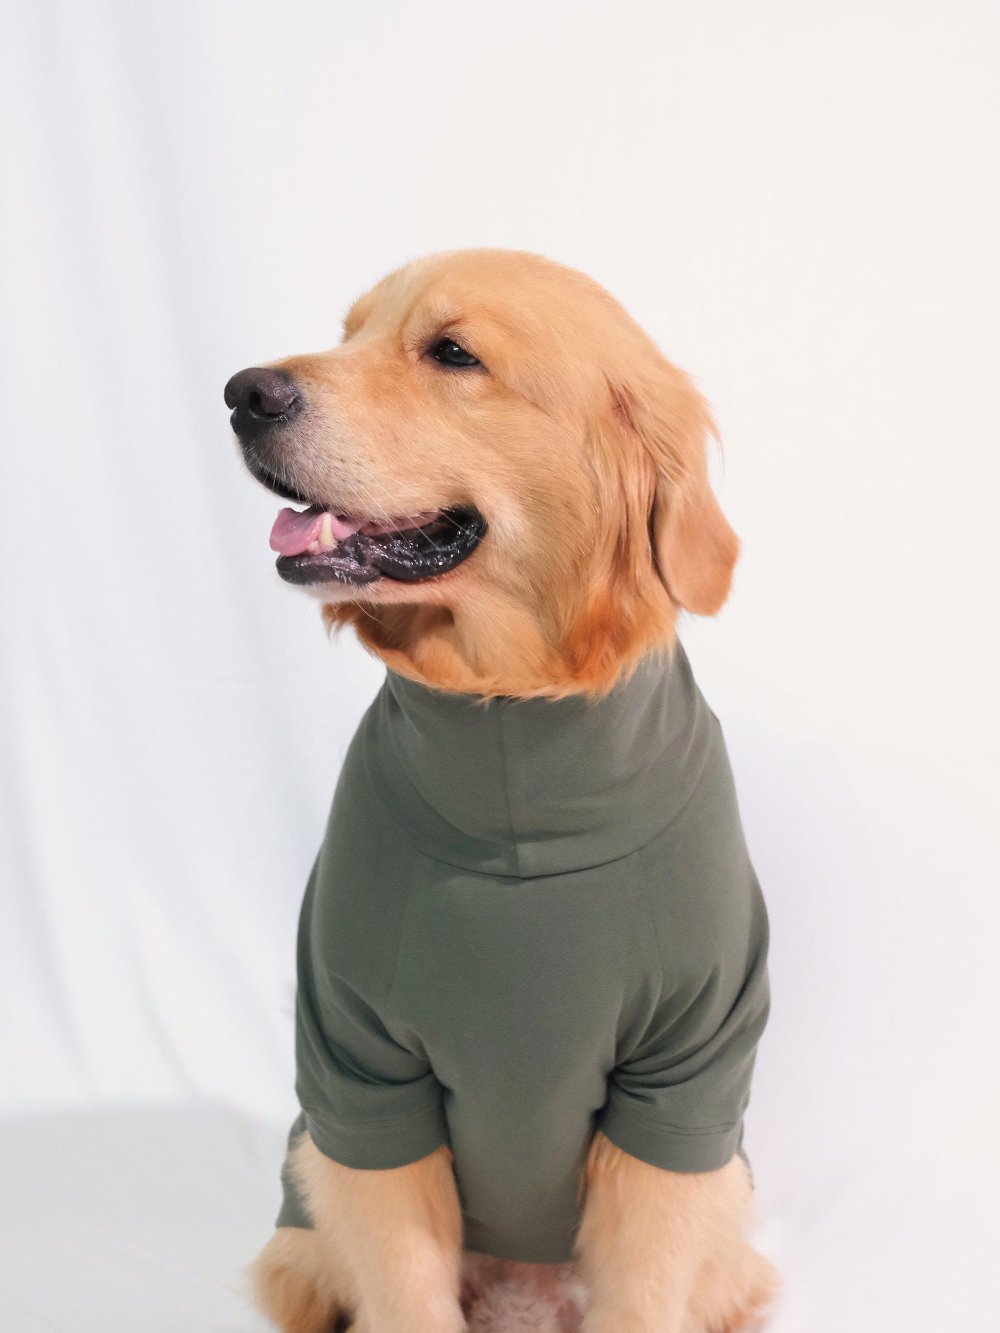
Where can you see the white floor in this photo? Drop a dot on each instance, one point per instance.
(134, 1221)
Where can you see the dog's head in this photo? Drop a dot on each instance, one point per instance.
(505, 482)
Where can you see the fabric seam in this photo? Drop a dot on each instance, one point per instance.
(504, 755)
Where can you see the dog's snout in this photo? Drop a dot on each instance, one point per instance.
(260, 397)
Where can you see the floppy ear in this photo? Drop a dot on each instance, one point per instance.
(694, 548)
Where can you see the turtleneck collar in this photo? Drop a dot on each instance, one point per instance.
(538, 787)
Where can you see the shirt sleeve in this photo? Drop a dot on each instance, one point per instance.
(677, 1098)
(368, 1101)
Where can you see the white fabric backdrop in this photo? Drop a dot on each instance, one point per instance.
(803, 208)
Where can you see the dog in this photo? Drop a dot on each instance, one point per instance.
(532, 953)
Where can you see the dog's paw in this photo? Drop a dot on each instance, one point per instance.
(292, 1285)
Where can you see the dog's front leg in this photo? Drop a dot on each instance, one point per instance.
(663, 1252)
(396, 1233)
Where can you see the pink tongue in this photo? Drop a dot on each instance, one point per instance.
(294, 533)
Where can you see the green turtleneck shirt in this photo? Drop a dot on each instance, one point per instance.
(530, 919)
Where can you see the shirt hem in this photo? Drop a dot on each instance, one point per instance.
(481, 1242)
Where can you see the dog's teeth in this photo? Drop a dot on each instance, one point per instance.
(325, 539)
(313, 547)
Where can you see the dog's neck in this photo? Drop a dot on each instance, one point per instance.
(498, 649)
(538, 786)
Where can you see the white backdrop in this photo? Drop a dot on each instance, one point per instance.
(801, 204)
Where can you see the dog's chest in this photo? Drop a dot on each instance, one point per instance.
(467, 962)
(493, 971)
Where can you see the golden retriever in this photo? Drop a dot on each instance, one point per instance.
(508, 496)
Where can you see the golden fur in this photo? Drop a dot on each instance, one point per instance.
(585, 449)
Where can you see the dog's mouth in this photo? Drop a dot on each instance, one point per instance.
(317, 545)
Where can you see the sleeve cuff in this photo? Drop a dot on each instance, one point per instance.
(378, 1145)
(669, 1146)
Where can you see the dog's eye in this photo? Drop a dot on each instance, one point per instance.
(448, 353)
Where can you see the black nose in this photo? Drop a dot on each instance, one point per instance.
(261, 398)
